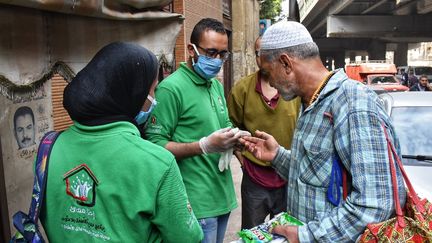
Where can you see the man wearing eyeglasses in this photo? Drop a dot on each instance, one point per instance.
(422, 85)
(191, 121)
(254, 105)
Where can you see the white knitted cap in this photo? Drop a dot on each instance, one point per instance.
(285, 34)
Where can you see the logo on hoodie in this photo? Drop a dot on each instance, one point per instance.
(81, 185)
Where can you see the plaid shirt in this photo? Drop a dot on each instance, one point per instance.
(347, 118)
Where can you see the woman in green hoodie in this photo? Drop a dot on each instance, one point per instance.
(106, 183)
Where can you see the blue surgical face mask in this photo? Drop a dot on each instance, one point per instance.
(143, 116)
(206, 67)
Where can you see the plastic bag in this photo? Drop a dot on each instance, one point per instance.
(261, 233)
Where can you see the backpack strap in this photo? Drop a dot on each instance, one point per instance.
(344, 183)
(27, 225)
(41, 171)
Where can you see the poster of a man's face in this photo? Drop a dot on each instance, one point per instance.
(24, 127)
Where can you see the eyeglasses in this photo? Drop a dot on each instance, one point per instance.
(257, 53)
(213, 53)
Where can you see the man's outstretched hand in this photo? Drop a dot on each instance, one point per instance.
(263, 146)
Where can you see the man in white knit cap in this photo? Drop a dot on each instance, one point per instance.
(339, 134)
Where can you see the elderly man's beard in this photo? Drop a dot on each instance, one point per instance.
(288, 93)
(287, 96)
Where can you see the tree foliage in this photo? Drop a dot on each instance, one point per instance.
(270, 9)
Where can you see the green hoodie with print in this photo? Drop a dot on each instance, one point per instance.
(107, 184)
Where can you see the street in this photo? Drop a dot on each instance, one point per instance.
(234, 222)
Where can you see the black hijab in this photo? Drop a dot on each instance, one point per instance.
(113, 86)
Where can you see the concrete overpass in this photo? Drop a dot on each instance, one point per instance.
(347, 28)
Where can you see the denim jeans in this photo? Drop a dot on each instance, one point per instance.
(214, 228)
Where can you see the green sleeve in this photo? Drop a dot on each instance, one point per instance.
(174, 217)
(164, 117)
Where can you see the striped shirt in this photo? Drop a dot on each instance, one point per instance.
(345, 119)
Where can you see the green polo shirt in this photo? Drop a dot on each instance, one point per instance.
(107, 184)
(188, 109)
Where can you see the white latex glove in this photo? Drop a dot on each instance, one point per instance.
(240, 133)
(218, 141)
(225, 159)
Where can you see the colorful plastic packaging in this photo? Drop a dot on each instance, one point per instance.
(261, 233)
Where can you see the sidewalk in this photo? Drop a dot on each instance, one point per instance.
(234, 222)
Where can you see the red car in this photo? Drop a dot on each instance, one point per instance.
(378, 75)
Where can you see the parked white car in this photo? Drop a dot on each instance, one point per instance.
(411, 113)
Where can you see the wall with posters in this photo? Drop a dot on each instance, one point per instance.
(23, 121)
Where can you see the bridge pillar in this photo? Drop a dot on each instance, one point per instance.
(400, 54)
(377, 50)
(336, 58)
(339, 59)
(352, 56)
